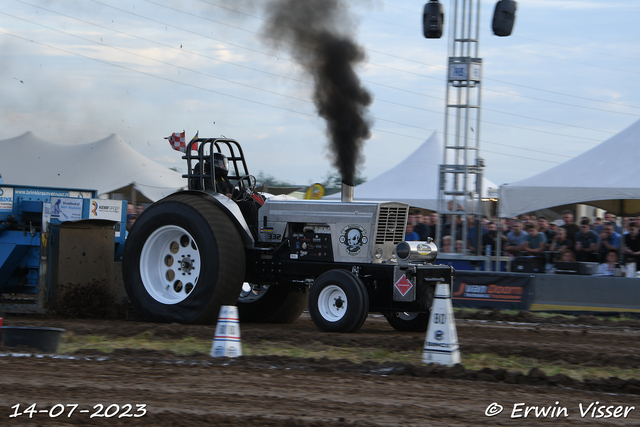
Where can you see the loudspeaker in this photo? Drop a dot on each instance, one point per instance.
(433, 20)
(504, 16)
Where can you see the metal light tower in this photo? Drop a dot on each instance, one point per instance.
(460, 186)
(461, 171)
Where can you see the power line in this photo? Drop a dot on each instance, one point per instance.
(575, 48)
(249, 86)
(567, 60)
(560, 103)
(222, 93)
(159, 61)
(527, 149)
(235, 64)
(166, 24)
(188, 84)
(521, 157)
(201, 72)
(416, 61)
(397, 7)
(416, 29)
(547, 121)
(379, 65)
(276, 93)
(421, 63)
(156, 76)
(563, 94)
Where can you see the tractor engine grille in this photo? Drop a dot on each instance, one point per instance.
(391, 224)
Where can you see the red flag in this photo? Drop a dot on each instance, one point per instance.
(177, 141)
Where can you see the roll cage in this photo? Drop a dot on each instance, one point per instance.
(206, 147)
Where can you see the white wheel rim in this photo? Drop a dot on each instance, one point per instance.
(332, 303)
(170, 264)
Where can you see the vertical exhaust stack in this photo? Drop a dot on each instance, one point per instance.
(347, 192)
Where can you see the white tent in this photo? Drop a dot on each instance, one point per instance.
(108, 166)
(414, 181)
(605, 177)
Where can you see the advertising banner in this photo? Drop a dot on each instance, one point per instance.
(106, 209)
(6, 199)
(503, 291)
(45, 191)
(66, 208)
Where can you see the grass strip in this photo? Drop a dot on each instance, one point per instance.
(186, 346)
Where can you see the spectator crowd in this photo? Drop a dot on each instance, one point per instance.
(600, 240)
(133, 212)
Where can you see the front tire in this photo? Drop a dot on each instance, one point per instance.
(183, 260)
(338, 302)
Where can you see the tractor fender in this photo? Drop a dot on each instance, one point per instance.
(229, 207)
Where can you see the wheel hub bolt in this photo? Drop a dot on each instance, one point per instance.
(186, 265)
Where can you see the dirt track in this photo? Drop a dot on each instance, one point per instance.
(279, 391)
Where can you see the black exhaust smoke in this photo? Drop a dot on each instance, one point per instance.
(316, 32)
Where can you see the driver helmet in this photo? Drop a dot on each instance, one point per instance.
(221, 164)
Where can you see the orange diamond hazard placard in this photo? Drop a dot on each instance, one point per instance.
(403, 285)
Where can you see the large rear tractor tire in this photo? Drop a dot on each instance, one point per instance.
(271, 304)
(338, 302)
(183, 260)
(407, 322)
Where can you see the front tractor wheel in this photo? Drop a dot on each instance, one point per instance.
(183, 259)
(338, 302)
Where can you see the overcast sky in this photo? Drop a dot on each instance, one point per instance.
(77, 71)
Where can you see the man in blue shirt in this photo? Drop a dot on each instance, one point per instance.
(516, 238)
(536, 242)
(410, 235)
(585, 243)
(607, 240)
(608, 217)
(422, 229)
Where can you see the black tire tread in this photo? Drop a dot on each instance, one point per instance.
(419, 324)
(230, 252)
(278, 305)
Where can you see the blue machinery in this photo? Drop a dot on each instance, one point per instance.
(28, 216)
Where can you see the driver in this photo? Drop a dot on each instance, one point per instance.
(221, 167)
(248, 208)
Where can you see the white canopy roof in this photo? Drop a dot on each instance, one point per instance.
(605, 176)
(108, 166)
(414, 181)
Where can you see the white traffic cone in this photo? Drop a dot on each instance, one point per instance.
(441, 342)
(227, 339)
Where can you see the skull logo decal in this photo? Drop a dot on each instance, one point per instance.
(353, 237)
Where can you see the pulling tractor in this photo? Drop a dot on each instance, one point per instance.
(194, 251)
